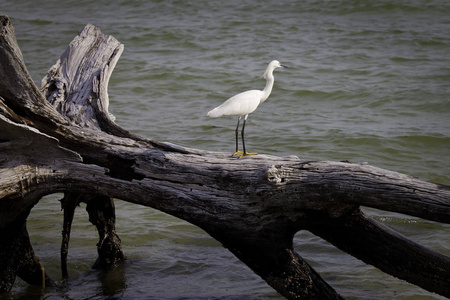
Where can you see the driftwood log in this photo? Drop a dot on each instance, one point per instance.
(62, 139)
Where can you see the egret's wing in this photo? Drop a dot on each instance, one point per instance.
(238, 105)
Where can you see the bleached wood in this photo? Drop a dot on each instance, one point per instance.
(77, 84)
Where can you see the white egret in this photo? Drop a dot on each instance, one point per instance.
(245, 103)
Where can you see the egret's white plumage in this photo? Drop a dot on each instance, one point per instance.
(243, 104)
(239, 105)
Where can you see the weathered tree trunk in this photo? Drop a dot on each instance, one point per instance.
(253, 206)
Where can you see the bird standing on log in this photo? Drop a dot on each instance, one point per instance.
(245, 103)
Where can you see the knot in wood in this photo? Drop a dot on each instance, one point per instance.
(276, 175)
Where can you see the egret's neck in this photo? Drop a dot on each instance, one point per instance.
(268, 88)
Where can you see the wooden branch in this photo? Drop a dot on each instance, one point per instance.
(77, 84)
(387, 250)
(102, 214)
(68, 204)
(79, 92)
(254, 206)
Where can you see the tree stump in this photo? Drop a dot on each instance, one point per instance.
(62, 139)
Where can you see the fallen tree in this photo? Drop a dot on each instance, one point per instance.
(62, 139)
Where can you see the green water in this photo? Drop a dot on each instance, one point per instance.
(369, 81)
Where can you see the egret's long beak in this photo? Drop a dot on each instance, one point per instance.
(284, 66)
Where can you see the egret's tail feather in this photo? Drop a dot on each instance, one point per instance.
(215, 113)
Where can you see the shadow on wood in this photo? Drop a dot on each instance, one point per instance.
(62, 139)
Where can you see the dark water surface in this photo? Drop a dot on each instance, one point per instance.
(369, 81)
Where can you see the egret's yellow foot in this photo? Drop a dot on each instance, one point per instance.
(237, 152)
(248, 153)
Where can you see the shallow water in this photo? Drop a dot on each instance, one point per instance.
(368, 82)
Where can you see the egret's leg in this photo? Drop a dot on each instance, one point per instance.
(237, 137)
(243, 142)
